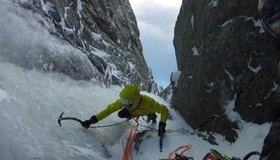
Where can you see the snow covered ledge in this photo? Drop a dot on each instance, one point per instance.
(175, 75)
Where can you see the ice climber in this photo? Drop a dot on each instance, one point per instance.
(133, 104)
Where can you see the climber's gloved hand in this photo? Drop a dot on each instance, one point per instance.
(124, 113)
(129, 116)
(161, 128)
(87, 123)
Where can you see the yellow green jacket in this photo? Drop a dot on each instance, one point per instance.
(145, 105)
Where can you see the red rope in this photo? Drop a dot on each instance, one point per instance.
(185, 148)
(128, 149)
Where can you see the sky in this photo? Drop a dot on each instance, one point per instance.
(156, 20)
(31, 102)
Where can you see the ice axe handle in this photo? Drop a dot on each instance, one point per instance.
(60, 118)
(160, 142)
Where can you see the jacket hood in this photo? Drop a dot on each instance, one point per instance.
(130, 92)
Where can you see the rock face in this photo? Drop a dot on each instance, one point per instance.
(271, 147)
(105, 31)
(228, 66)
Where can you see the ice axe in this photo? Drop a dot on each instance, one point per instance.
(60, 118)
(160, 142)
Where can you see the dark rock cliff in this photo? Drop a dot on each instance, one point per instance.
(228, 66)
(105, 31)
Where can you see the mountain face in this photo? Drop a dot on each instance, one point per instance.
(104, 30)
(228, 65)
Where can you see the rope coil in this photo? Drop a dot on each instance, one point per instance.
(185, 148)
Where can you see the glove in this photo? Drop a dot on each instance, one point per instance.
(124, 113)
(151, 117)
(87, 123)
(161, 128)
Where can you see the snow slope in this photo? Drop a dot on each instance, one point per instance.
(31, 101)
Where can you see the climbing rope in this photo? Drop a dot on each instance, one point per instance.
(127, 154)
(110, 125)
(183, 148)
(133, 140)
(145, 126)
(151, 128)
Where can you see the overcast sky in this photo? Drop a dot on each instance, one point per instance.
(156, 20)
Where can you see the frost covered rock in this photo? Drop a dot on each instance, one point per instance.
(227, 61)
(105, 31)
(175, 77)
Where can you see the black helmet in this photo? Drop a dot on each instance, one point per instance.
(270, 16)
